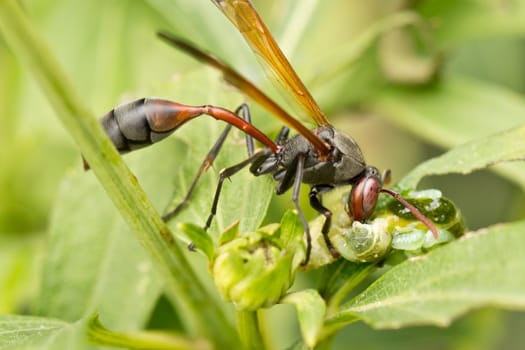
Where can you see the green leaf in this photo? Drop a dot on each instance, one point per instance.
(311, 310)
(22, 332)
(152, 340)
(454, 111)
(463, 21)
(483, 268)
(475, 155)
(93, 261)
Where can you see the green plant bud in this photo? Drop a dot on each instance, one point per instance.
(254, 270)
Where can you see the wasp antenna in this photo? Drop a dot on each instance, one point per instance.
(386, 177)
(414, 211)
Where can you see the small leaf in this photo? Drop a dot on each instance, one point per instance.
(292, 234)
(231, 232)
(481, 269)
(198, 237)
(311, 310)
(475, 155)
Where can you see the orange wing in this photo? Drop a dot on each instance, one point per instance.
(243, 15)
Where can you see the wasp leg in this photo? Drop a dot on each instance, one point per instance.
(299, 170)
(208, 161)
(225, 174)
(315, 202)
(244, 111)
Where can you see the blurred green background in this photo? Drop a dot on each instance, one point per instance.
(405, 92)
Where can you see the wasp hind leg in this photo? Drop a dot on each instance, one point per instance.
(243, 111)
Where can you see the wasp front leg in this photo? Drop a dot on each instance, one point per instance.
(299, 171)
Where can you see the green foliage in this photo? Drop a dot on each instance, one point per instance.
(446, 282)
(90, 56)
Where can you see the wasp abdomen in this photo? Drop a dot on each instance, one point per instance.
(132, 125)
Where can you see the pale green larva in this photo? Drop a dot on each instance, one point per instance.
(364, 242)
(392, 228)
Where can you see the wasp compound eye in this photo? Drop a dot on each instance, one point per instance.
(364, 195)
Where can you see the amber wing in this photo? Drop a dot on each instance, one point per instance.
(243, 15)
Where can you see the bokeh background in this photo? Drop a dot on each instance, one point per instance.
(406, 90)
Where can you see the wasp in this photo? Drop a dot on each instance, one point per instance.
(323, 158)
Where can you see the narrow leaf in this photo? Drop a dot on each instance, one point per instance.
(292, 233)
(343, 56)
(153, 340)
(475, 155)
(198, 237)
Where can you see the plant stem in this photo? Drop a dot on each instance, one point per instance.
(205, 316)
(249, 332)
(359, 273)
(362, 272)
(326, 343)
